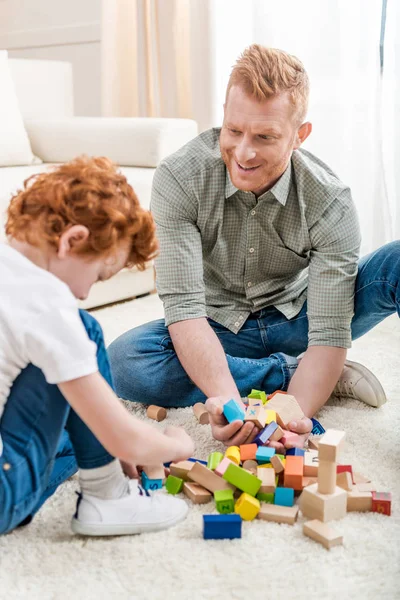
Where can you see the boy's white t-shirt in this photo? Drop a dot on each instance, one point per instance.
(39, 324)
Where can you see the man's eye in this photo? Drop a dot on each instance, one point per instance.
(235, 131)
(265, 137)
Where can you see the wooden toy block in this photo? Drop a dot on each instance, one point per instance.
(344, 481)
(344, 469)
(258, 395)
(311, 462)
(247, 507)
(242, 479)
(250, 465)
(173, 484)
(326, 477)
(330, 445)
(313, 441)
(286, 407)
(221, 527)
(270, 415)
(366, 487)
(233, 453)
(151, 484)
(196, 493)
(181, 469)
(266, 434)
(214, 459)
(233, 412)
(224, 501)
(155, 472)
(295, 452)
(293, 474)
(267, 477)
(248, 452)
(269, 498)
(256, 415)
(324, 507)
(289, 437)
(279, 514)
(202, 462)
(284, 496)
(265, 466)
(223, 465)
(208, 479)
(277, 435)
(322, 533)
(359, 478)
(270, 396)
(157, 413)
(277, 463)
(255, 402)
(309, 481)
(201, 413)
(264, 454)
(381, 503)
(359, 501)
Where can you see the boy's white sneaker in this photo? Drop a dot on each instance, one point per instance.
(137, 512)
(357, 382)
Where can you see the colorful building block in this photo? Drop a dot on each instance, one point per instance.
(270, 415)
(254, 402)
(293, 475)
(295, 452)
(381, 503)
(173, 484)
(220, 527)
(258, 395)
(289, 437)
(265, 434)
(284, 496)
(247, 507)
(269, 498)
(151, 484)
(224, 501)
(223, 465)
(233, 412)
(233, 453)
(214, 459)
(242, 479)
(256, 415)
(317, 427)
(202, 462)
(264, 454)
(248, 452)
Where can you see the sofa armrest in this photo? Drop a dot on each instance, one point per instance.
(130, 142)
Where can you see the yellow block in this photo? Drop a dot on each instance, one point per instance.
(266, 466)
(247, 507)
(271, 416)
(233, 453)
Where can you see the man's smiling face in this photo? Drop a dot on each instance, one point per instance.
(257, 139)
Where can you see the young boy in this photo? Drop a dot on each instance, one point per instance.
(67, 229)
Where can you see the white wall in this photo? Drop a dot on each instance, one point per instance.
(58, 30)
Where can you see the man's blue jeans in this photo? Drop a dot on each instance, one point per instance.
(44, 439)
(262, 355)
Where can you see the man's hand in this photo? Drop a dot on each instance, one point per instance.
(302, 427)
(231, 434)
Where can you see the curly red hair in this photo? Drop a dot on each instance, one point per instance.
(85, 191)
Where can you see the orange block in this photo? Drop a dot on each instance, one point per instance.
(248, 452)
(293, 475)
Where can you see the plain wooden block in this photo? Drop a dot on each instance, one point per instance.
(324, 507)
(313, 441)
(344, 481)
(359, 501)
(256, 415)
(267, 477)
(286, 407)
(322, 533)
(331, 444)
(181, 469)
(277, 463)
(255, 402)
(155, 472)
(311, 462)
(309, 481)
(157, 413)
(277, 435)
(359, 478)
(201, 413)
(366, 487)
(326, 477)
(196, 493)
(278, 514)
(251, 466)
(208, 479)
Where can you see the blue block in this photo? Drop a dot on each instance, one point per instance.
(151, 484)
(264, 454)
(317, 427)
(264, 435)
(284, 496)
(233, 412)
(202, 462)
(222, 527)
(295, 452)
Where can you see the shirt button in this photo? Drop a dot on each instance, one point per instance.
(6, 466)
(249, 284)
(253, 212)
(237, 324)
(251, 250)
(240, 318)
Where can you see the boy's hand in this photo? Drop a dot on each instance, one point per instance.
(129, 469)
(303, 428)
(231, 434)
(184, 443)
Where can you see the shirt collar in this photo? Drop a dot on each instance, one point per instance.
(280, 190)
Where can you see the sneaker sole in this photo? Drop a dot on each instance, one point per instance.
(98, 529)
(380, 396)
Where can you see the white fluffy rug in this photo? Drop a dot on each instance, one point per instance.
(44, 560)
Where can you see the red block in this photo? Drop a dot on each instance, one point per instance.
(382, 503)
(344, 469)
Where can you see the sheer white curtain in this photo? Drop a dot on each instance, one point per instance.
(353, 107)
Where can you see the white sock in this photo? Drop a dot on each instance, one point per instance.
(105, 482)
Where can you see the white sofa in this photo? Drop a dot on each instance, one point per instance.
(45, 96)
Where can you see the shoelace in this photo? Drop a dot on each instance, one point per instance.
(141, 491)
(345, 388)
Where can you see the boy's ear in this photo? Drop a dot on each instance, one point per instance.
(71, 238)
(302, 134)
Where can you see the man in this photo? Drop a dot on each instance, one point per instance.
(259, 244)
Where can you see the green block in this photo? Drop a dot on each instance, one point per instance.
(214, 459)
(258, 395)
(242, 479)
(224, 501)
(174, 484)
(269, 498)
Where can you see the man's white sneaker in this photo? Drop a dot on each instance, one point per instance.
(357, 382)
(137, 512)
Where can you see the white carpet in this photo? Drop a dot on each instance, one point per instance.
(44, 560)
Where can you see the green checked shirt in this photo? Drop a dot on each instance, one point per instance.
(225, 253)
